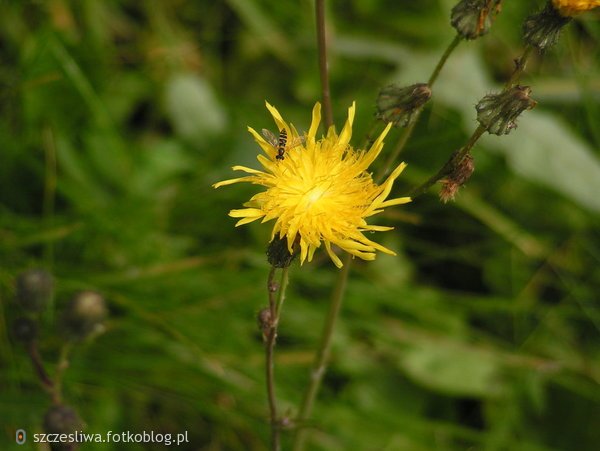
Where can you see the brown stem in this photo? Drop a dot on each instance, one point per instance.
(269, 361)
(323, 66)
(38, 365)
(519, 68)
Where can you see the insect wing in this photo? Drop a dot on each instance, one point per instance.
(270, 137)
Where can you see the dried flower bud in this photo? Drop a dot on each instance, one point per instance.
(473, 18)
(62, 419)
(460, 173)
(573, 7)
(24, 330)
(278, 253)
(542, 30)
(498, 112)
(34, 289)
(85, 315)
(399, 105)
(264, 320)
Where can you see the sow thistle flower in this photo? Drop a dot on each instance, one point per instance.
(320, 192)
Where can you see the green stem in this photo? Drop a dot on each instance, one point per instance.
(321, 358)
(436, 72)
(323, 67)
(387, 168)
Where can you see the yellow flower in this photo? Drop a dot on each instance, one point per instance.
(320, 192)
(569, 8)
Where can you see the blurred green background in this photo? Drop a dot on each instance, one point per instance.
(116, 116)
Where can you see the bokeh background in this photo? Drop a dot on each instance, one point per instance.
(116, 116)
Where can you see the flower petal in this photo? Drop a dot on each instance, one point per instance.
(278, 119)
(344, 138)
(314, 125)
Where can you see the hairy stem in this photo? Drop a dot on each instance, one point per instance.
(321, 358)
(275, 305)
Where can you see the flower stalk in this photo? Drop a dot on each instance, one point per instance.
(269, 325)
(323, 65)
(323, 351)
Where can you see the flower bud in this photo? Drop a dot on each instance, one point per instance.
(278, 254)
(34, 289)
(498, 112)
(24, 330)
(568, 8)
(473, 18)
(542, 30)
(60, 419)
(399, 105)
(459, 174)
(264, 321)
(85, 315)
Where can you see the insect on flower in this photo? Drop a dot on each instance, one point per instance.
(281, 142)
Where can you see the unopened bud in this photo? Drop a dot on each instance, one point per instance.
(542, 30)
(278, 254)
(459, 174)
(34, 289)
(24, 330)
(85, 315)
(264, 321)
(399, 105)
(473, 18)
(573, 7)
(498, 112)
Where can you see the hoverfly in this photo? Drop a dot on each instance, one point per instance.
(281, 142)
